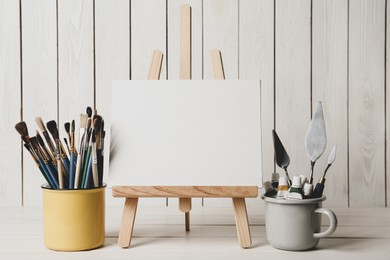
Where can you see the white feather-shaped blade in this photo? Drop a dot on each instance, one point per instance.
(332, 155)
(315, 141)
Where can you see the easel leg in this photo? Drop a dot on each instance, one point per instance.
(185, 206)
(128, 218)
(242, 224)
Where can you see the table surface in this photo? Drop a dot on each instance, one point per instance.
(159, 233)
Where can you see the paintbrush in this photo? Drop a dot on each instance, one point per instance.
(100, 154)
(52, 127)
(87, 128)
(89, 114)
(67, 130)
(67, 146)
(49, 142)
(95, 172)
(40, 166)
(95, 136)
(60, 169)
(21, 128)
(83, 125)
(73, 157)
(44, 148)
(87, 162)
(91, 155)
(45, 160)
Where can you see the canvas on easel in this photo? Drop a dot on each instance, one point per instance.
(246, 115)
(185, 133)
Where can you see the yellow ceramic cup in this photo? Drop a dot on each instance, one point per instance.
(73, 219)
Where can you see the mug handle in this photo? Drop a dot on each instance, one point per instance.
(333, 222)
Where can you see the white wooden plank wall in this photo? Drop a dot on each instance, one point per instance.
(39, 81)
(10, 104)
(292, 79)
(367, 102)
(330, 84)
(303, 51)
(112, 50)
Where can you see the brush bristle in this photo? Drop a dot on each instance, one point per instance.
(40, 124)
(93, 136)
(97, 123)
(21, 127)
(67, 127)
(52, 127)
(40, 140)
(73, 125)
(34, 141)
(83, 121)
(89, 112)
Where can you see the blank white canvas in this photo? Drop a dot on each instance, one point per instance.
(179, 133)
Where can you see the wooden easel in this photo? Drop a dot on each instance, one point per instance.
(185, 193)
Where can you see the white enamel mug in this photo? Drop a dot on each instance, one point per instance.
(296, 224)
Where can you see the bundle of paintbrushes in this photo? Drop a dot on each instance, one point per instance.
(76, 167)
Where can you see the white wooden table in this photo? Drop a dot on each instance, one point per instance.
(159, 233)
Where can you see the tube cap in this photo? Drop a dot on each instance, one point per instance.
(296, 182)
(267, 186)
(303, 179)
(282, 181)
(275, 177)
(307, 189)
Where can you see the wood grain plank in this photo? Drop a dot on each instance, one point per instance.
(387, 105)
(10, 105)
(148, 33)
(256, 61)
(220, 25)
(173, 16)
(76, 79)
(185, 191)
(292, 76)
(330, 77)
(366, 103)
(112, 50)
(39, 81)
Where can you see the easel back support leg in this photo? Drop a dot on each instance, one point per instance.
(242, 223)
(185, 206)
(128, 218)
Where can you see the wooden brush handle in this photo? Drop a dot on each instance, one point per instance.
(95, 174)
(86, 165)
(53, 174)
(71, 170)
(77, 173)
(60, 174)
(100, 164)
(45, 174)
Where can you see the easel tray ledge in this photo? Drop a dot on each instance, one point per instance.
(185, 191)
